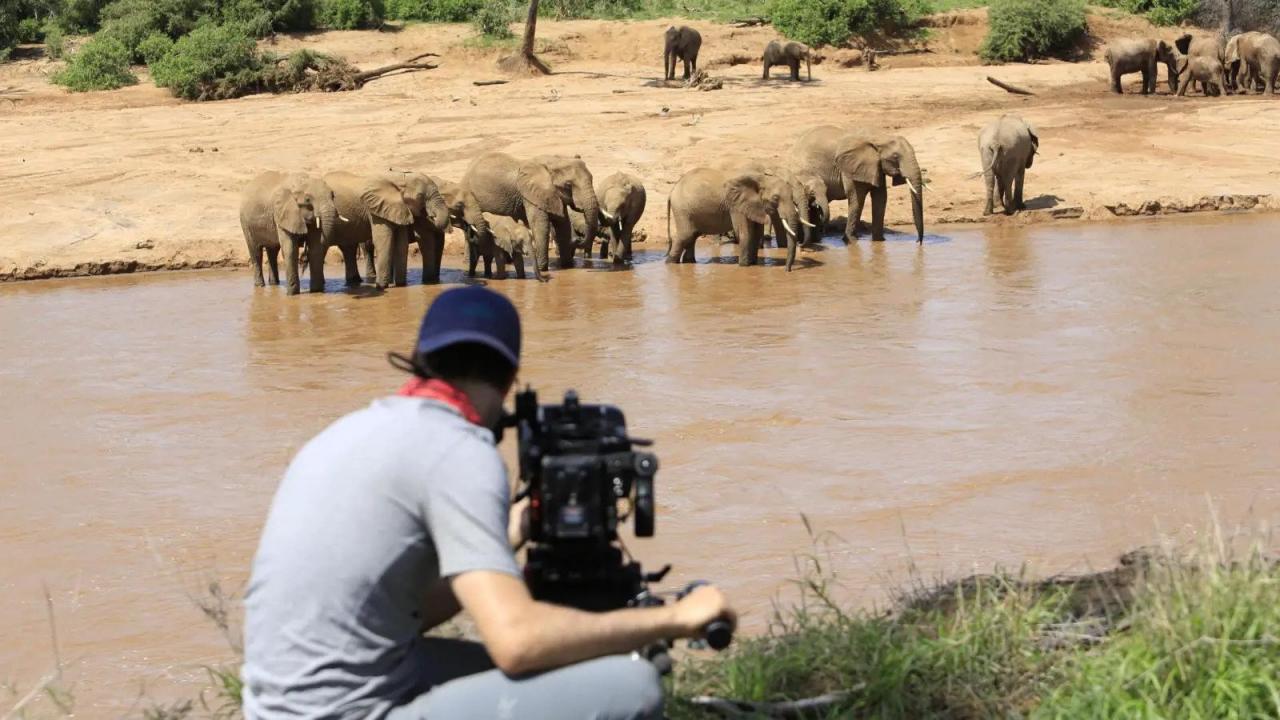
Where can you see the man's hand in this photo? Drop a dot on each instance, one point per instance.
(518, 524)
(699, 608)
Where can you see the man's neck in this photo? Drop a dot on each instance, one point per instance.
(486, 399)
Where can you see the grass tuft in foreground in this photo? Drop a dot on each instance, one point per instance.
(1159, 636)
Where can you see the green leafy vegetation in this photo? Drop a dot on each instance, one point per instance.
(351, 14)
(1159, 12)
(493, 20)
(53, 42)
(1021, 30)
(30, 30)
(153, 47)
(200, 59)
(100, 64)
(832, 22)
(8, 30)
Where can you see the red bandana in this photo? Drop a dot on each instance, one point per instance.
(442, 391)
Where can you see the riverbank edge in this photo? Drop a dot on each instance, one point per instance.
(1229, 204)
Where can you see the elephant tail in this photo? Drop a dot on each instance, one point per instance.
(668, 226)
(808, 67)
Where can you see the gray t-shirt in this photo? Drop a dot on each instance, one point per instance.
(373, 510)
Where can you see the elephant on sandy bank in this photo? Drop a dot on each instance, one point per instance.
(1252, 60)
(854, 164)
(538, 192)
(791, 55)
(383, 213)
(680, 43)
(712, 201)
(1132, 55)
(289, 213)
(622, 201)
(1204, 70)
(465, 214)
(1209, 46)
(1007, 148)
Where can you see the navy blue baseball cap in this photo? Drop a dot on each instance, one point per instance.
(471, 314)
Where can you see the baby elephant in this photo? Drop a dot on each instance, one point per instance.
(682, 43)
(622, 200)
(1007, 147)
(775, 53)
(1205, 70)
(511, 240)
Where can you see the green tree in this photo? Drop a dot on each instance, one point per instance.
(100, 64)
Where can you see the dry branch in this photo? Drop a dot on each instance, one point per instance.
(489, 82)
(410, 64)
(1009, 88)
(750, 21)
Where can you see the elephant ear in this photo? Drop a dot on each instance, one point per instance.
(287, 213)
(1035, 143)
(743, 194)
(1183, 44)
(862, 162)
(536, 186)
(384, 200)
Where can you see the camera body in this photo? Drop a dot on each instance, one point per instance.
(584, 478)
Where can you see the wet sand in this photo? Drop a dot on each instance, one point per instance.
(1051, 395)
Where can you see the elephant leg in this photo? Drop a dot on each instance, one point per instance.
(540, 227)
(681, 249)
(352, 265)
(369, 270)
(383, 251)
(517, 259)
(857, 199)
(795, 71)
(618, 245)
(564, 240)
(473, 258)
(1116, 87)
(500, 258)
(1146, 81)
(488, 265)
(879, 200)
(315, 261)
(273, 264)
(437, 257)
(255, 261)
(289, 247)
(990, 177)
(400, 260)
(1018, 179)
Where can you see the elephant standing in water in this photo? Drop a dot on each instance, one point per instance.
(382, 214)
(511, 242)
(538, 192)
(855, 164)
(290, 213)
(622, 201)
(791, 55)
(465, 214)
(1007, 148)
(711, 201)
(680, 43)
(1144, 56)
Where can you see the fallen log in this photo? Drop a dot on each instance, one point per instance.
(489, 82)
(749, 21)
(1009, 88)
(410, 64)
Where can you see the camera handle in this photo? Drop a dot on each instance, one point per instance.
(718, 633)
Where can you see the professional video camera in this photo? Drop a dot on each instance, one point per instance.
(583, 478)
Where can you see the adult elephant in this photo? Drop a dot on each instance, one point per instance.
(854, 164)
(1258, 61)
(288, 212)
(808, 193)
(379, 216)
(791, 55)
(1236, 70)
(1144, 56)
(465, 214)
(680, 43)
(538, 192)
(714, 201)
(622, 199)
(1007, 148)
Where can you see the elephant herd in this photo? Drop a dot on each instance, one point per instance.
(1247, 61)
(682, 44)
(508, 207)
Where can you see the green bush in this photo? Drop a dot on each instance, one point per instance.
(832, 22)
(570, 9)
(1024, 29)
(78, 17)
(53, 42)
(100, 64)
(493, 19)
(434, 10)
(154, 47)
(8, 29)
(351, 14)
(1159, 12)
(261, 17)
(198, 60)
(29, 31)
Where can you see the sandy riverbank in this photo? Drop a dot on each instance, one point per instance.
(135, 180)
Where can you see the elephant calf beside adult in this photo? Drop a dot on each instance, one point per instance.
(854, 164)
(538, 192)
(791, 55)
(622, 201)
(713, 201)
(1007, 148)
(1144, 56)
(383, 214)
(288, 212)
(465, 214)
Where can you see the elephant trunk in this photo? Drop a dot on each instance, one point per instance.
(326, 216)
(438, 212)
(792, 226)
(915, 181)
(585, 202)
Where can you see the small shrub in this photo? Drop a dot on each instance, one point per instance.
(100, 64)
(434, 10)
(570, 9)
(351, 14)
(53, 42)
(493, 20)
(29, 31)
(79, 17)
(154, 47)
(1020, 30)
(198, 60)
(832, 22)
(261, 17)
(8, 30)
(1159, 12)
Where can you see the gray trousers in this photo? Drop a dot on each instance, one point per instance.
(465, 684)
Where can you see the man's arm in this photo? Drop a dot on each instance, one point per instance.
(523, 635)
(439, 605)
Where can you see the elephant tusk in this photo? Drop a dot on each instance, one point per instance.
(319, 224)
(913, 187)
(805, 223)
(607, 216)
(343, 219)
(790, 232)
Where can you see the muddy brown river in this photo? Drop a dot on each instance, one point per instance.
(1053, 395)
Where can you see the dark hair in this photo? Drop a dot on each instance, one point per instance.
(466, 361)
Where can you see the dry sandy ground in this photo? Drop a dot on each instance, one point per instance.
(135, 180)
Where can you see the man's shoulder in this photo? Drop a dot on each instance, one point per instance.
(433, 415)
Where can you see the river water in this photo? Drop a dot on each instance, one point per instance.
(1052, 395)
